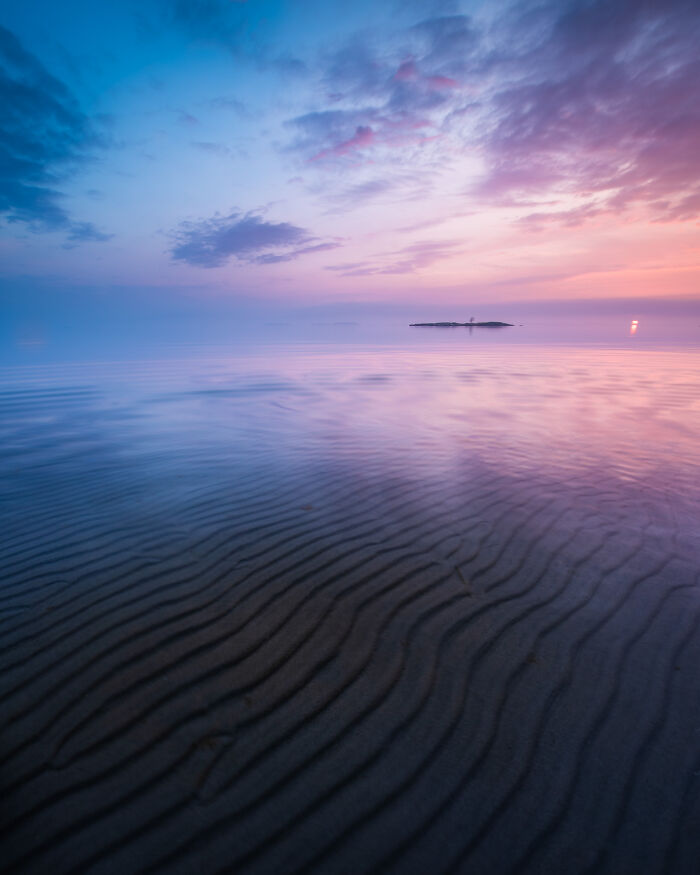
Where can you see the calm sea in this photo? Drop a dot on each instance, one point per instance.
(344, 601)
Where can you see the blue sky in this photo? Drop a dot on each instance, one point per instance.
(322, 152)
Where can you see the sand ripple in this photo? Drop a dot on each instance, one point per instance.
(442, 621)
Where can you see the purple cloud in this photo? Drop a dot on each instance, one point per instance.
(246, 237)
(81, 232)
(388, 98)
(592, 98)
(363, 137)
(568, 218)
(449, 45)
(406, 260)
(603, 102)
(330, 135)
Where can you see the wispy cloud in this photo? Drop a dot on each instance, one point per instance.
(44, 137)
(392, 188)
(81, 232)
(601, 103)
(593, 99)
(363, 137)
(386, 95)
(406, 260)
(567, 218)
(246, 237)
(212, 148)
(186, 118)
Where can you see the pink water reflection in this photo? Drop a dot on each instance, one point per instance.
(624, 422)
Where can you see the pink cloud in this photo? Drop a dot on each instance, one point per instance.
(408, 72)
(391, 134)
(441, 83)
(364, 136)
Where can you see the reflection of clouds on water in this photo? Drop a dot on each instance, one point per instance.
(580, 408)
(302, 599)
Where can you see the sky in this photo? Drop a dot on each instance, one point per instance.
(302, 153)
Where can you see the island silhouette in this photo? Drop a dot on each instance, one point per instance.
(470, 324)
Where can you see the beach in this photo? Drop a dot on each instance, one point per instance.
(359, 609)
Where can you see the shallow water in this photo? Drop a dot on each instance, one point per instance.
(423, 606)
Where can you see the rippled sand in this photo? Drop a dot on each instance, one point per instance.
(370, 611)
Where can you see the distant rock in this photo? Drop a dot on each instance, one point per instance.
(461, 325)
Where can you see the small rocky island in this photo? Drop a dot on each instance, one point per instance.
(461, 325)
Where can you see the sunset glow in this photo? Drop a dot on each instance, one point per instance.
(311, 154)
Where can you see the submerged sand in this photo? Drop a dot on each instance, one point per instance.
(343, 660)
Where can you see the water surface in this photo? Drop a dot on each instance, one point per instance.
(353, 607)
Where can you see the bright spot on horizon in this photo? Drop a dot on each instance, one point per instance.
(634, 326)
